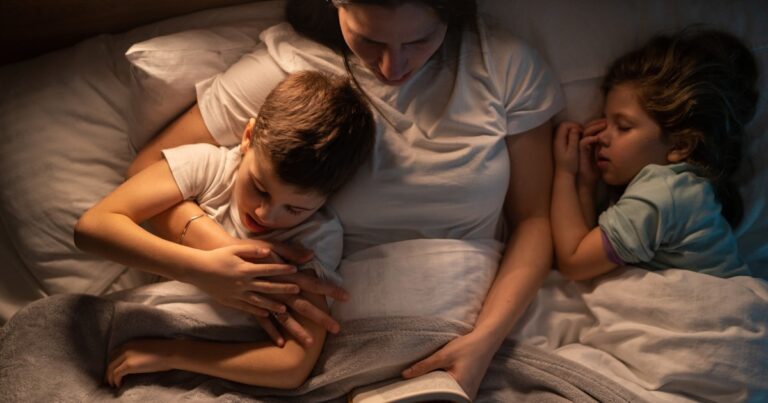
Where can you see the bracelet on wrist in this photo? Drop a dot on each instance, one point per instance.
(186, 227)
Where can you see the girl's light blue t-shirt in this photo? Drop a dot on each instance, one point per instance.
(668, 217)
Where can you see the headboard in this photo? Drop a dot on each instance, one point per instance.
(30, 28)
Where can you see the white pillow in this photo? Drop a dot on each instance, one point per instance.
(165, 70)
(63, 123)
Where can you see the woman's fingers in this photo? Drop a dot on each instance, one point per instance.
(256, 304)
(268, 269)
(307, 309)
(431, 363)
(268, 287)
(247, 307)
(315, 285)
(292, 253)
(272, 331)
(295, 328)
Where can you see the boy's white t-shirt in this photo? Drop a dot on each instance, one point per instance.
(206, 174)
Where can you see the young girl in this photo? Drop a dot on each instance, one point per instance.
(671, 135)
(311, 135)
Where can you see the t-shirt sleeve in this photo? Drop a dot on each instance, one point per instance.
(531, 91)
(229, 99)
(641, 220)
(323, 234)
(196, 168)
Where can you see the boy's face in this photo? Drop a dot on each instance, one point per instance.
(264, 201)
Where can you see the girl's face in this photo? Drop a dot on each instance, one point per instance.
(393, 42)
(264, 201)
(631, 140)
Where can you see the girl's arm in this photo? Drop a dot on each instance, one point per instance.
(260, 364)
(578, 245)
(526, 263)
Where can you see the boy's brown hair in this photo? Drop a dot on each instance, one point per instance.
(317, 130)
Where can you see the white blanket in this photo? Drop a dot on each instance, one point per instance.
(671, 335)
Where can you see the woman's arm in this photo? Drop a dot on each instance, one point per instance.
(527, 261)
(261, 364)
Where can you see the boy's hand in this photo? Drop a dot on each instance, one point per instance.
(137, 357)
(588, 172)
(229, 276)
(566, 147)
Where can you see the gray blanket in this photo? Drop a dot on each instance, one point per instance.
(56, 350)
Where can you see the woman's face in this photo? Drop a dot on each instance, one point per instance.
(393, 42)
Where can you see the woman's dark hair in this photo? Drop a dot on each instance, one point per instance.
(319, 20)
(700, 86)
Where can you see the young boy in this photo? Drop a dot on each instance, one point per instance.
(311, 135)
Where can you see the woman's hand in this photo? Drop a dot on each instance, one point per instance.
(138, 357)
(466, 358)
(303, 307)
(566, 147)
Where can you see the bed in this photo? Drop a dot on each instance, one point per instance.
(72, 119)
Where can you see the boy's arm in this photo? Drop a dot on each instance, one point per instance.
(110, 229)
(206, 234)
(261, 364)
(189, 128)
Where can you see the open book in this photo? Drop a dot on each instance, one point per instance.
(430, 387)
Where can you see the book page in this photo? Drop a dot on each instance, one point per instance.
(436, 385)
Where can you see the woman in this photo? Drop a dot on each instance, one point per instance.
(462, 113)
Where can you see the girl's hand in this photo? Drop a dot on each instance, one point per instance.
(566, 147)
(466, 358)
(588, 172)
(137, 357)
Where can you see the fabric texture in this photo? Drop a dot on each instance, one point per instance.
(440, 278)
(56, 349)
(668, 217)
(670, 336)
(206, 174)
(436, 135)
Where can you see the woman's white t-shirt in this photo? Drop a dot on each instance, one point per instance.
(440, 166)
